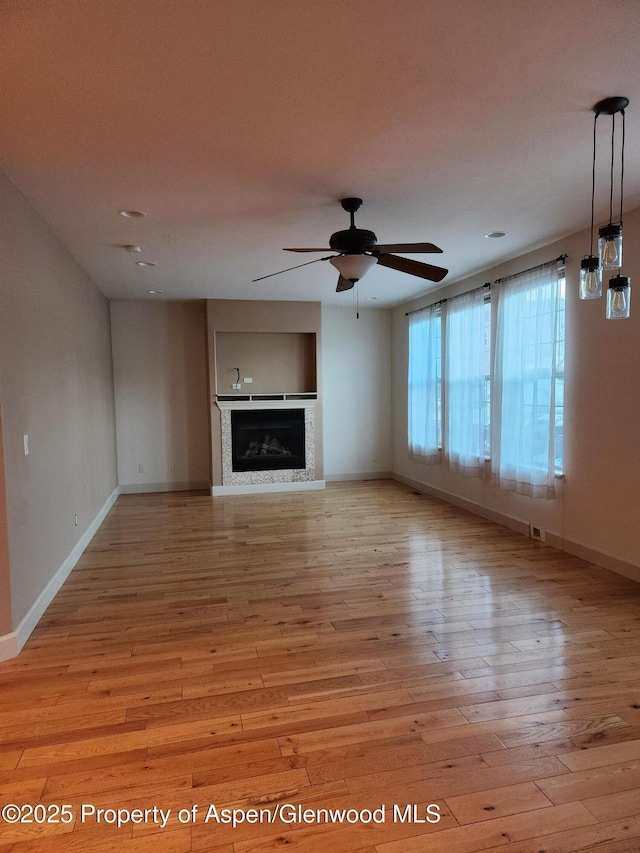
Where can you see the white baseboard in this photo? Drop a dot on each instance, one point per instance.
(262, 488)
(145, 488)
(517, 524)
(599, 558)
(369, 475)
(8, 646)
(590, 555)
(25, 628)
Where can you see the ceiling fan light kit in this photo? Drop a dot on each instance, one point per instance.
(609, 255)
(353, 267)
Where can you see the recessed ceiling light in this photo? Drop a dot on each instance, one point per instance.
(496, 234)
(146, 264)
(155, 291)
(132, 214)
(132, 248)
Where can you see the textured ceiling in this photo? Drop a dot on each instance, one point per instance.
(237, 126)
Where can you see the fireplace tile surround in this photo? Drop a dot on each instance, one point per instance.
(284, 479)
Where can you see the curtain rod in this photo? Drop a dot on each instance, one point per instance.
(531, 269)
(441, 301)
(488, 283)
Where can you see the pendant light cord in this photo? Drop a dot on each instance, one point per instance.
(622, 169)
(613, 139)
(593, 179)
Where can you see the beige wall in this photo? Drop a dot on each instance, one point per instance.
(57, 387)
(6, 622)
(356, 361)
(229, 315)
(159, 359)
(598, 506)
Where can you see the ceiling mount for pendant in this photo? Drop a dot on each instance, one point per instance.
(610, 106)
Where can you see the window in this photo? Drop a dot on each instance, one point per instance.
(529, 359)
(466, 357)
(559, 381)
(425, 355)
(486, 347)
(501, 400)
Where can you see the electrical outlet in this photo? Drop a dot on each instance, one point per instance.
(172, 468)
(140, 469)
(236, 386)
(374, 457)
(248, 379)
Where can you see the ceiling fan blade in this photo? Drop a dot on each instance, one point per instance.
(271, 274)
(343, 284)
(308, 250)
(409, 248)
(427, 271)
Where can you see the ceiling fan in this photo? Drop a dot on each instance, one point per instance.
(358, 250)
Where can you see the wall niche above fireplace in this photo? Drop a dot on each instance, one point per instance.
(276, 362)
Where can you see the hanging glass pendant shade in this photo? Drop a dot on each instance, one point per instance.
(590, 278)
(610, 246)
(619, 298)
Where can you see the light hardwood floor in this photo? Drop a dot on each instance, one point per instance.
(357, 648)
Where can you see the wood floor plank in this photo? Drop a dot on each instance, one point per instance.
(596, 838)
(497, 802)
(500, 832)
(614, 805)
(348, 648)
(603, 756)
(587, 784)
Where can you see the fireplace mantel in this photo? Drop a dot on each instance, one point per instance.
(262, 402)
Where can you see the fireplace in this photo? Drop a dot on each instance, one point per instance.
(267, 439)
(245, 469)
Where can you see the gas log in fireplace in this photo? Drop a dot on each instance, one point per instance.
(267, 439)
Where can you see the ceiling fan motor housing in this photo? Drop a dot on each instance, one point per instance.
(353, 241)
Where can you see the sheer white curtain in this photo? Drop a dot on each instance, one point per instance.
(424, 357)
(522, 434)
(465, 371)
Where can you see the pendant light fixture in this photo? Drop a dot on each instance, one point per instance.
(610, 235)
